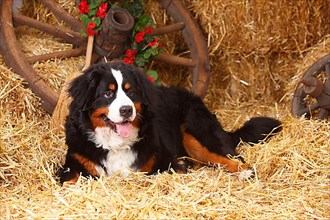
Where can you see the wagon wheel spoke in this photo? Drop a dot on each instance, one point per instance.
(177, 60)
(168, 29)
(327, 70)
(63, 14)
(61, 54)
(57, 31)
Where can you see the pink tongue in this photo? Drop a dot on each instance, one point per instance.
(124, 129)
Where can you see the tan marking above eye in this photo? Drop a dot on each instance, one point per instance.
(127, 86)
(112, 86)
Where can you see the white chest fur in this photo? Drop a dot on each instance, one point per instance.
(119, 161)
(120, 157)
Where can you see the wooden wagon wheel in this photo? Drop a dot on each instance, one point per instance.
(314, 85)
(15, 58)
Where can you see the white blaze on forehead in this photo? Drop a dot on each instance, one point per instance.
(120, 100)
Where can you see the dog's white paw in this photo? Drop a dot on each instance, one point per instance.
(246, 174)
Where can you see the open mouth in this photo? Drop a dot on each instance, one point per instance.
(123, 128)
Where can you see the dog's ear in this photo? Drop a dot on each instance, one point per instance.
(145, 87)
(83, 89)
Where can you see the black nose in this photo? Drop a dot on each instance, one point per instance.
(126, 111)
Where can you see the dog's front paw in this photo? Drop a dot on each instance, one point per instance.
(178, 167)
(246, 175)
(67, 175)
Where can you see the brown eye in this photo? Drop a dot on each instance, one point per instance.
(108, 94)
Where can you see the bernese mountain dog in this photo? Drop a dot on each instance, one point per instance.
(119, 121)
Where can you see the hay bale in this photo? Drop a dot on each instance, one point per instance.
(254, 45)
(262, 27)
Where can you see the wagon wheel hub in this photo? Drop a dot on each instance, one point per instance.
(116, 28)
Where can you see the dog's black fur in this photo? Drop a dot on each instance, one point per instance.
(166, 114)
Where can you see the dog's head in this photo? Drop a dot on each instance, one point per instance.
(114, 94)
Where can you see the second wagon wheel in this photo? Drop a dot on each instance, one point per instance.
(313, 90)
(21, 64)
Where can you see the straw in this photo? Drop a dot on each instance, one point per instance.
(250, 77)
